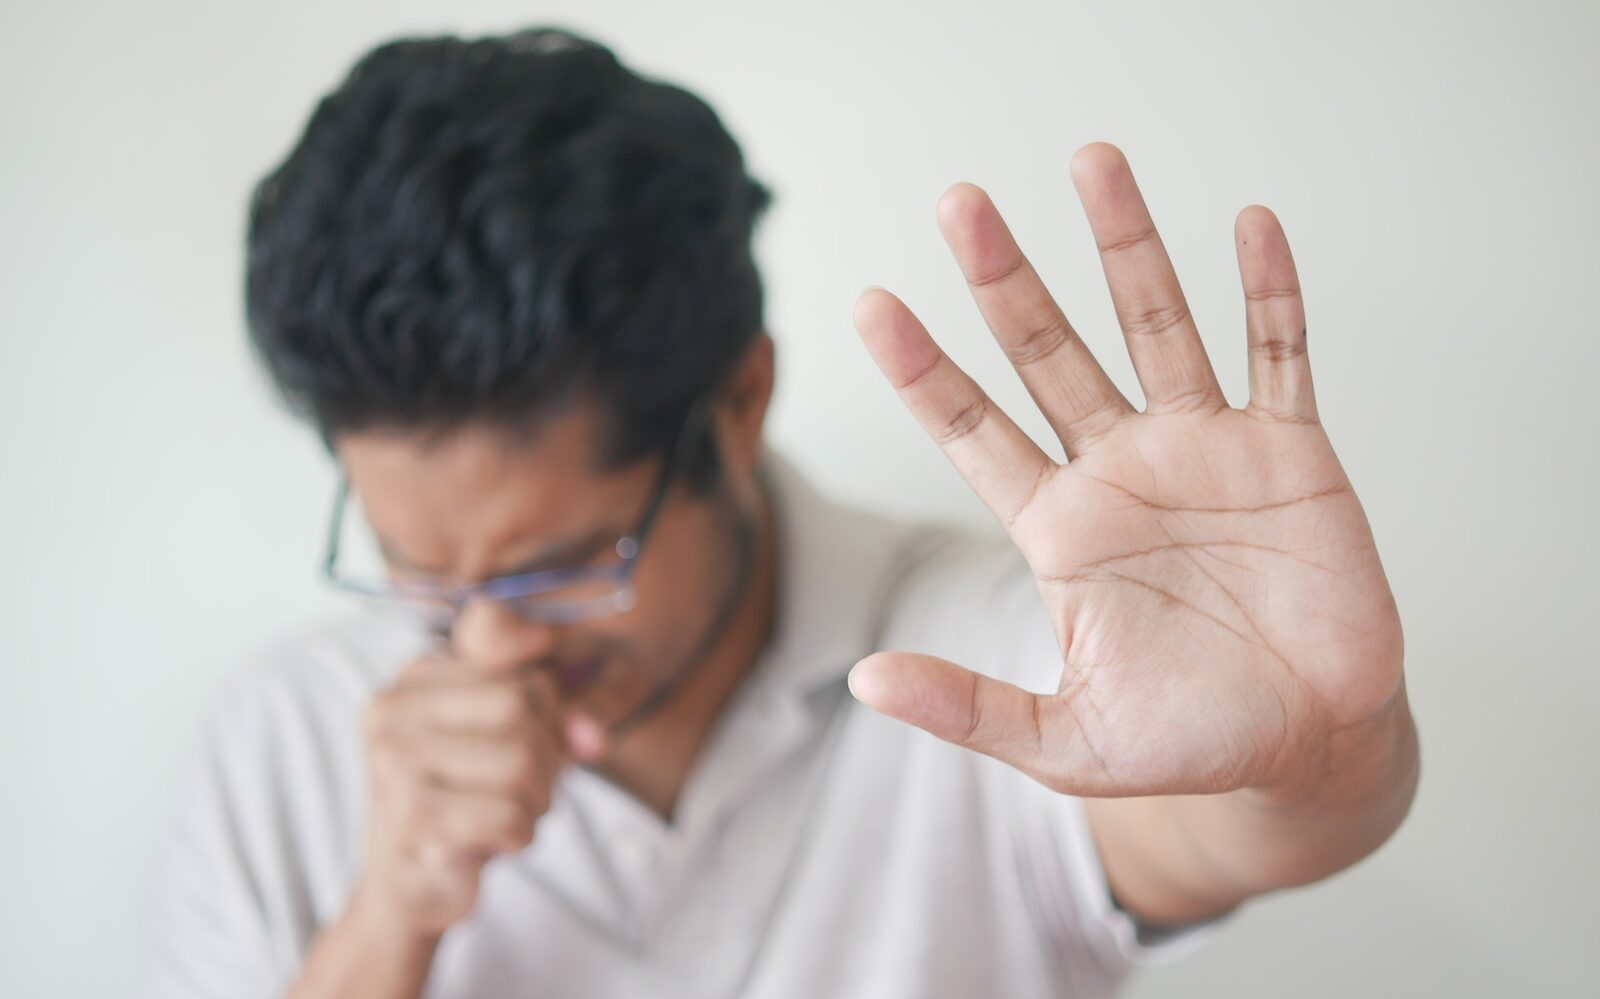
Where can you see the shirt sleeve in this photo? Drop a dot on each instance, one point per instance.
(1138, 944)
(262, 834)
(208, 930)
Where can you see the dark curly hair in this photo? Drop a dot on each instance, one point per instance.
(488, 229)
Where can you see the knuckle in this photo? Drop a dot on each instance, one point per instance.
(1268, 294)
(457, 830)
(1002, 273)
(437, 860)
(1279, 349)
(1127, 242)
(1187, 400)
(1274, 414)
(923, 374)
(1041, 342)
(1155, 320)
(966, 420)
(505, 707)
(1098, 421)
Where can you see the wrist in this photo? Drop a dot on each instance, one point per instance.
(367, 952)
(1357, 765)
(1341, 805)
(381, 925)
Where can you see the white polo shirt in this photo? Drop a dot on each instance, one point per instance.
(818, 849)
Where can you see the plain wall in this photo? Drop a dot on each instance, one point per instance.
(1434, 165)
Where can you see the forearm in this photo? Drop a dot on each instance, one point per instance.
(1180, 858)
(363, 955)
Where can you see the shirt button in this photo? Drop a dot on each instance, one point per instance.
(634, 854)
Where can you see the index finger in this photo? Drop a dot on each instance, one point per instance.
(470, 703)
(1055, 365)
(1000, 462)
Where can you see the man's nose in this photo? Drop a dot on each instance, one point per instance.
(489, 636)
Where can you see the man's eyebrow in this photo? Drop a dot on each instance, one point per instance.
(566, 553)
(559, 555)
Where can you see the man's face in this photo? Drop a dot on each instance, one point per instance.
(479, 504)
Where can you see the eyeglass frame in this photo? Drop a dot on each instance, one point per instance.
(513, 588)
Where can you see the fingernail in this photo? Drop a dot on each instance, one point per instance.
(861, 683)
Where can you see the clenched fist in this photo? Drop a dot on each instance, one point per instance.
(462, 765)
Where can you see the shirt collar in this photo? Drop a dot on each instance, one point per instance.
(834, 564)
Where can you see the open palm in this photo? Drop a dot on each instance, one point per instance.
(1211, 577)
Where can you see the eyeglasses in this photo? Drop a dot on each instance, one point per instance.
(553, 595)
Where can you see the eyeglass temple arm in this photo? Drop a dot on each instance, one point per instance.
(692, 423)
(335, 522)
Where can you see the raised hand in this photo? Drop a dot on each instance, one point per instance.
(1211, 577)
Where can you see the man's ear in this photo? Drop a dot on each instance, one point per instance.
(740, 408)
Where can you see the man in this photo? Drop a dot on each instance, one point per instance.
(637, 730)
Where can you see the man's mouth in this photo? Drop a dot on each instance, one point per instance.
(576, 676)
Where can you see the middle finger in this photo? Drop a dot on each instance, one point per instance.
(1162, 339)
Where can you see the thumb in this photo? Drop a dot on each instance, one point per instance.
(978, 712)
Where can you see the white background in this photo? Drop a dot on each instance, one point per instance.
(1435, 166)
